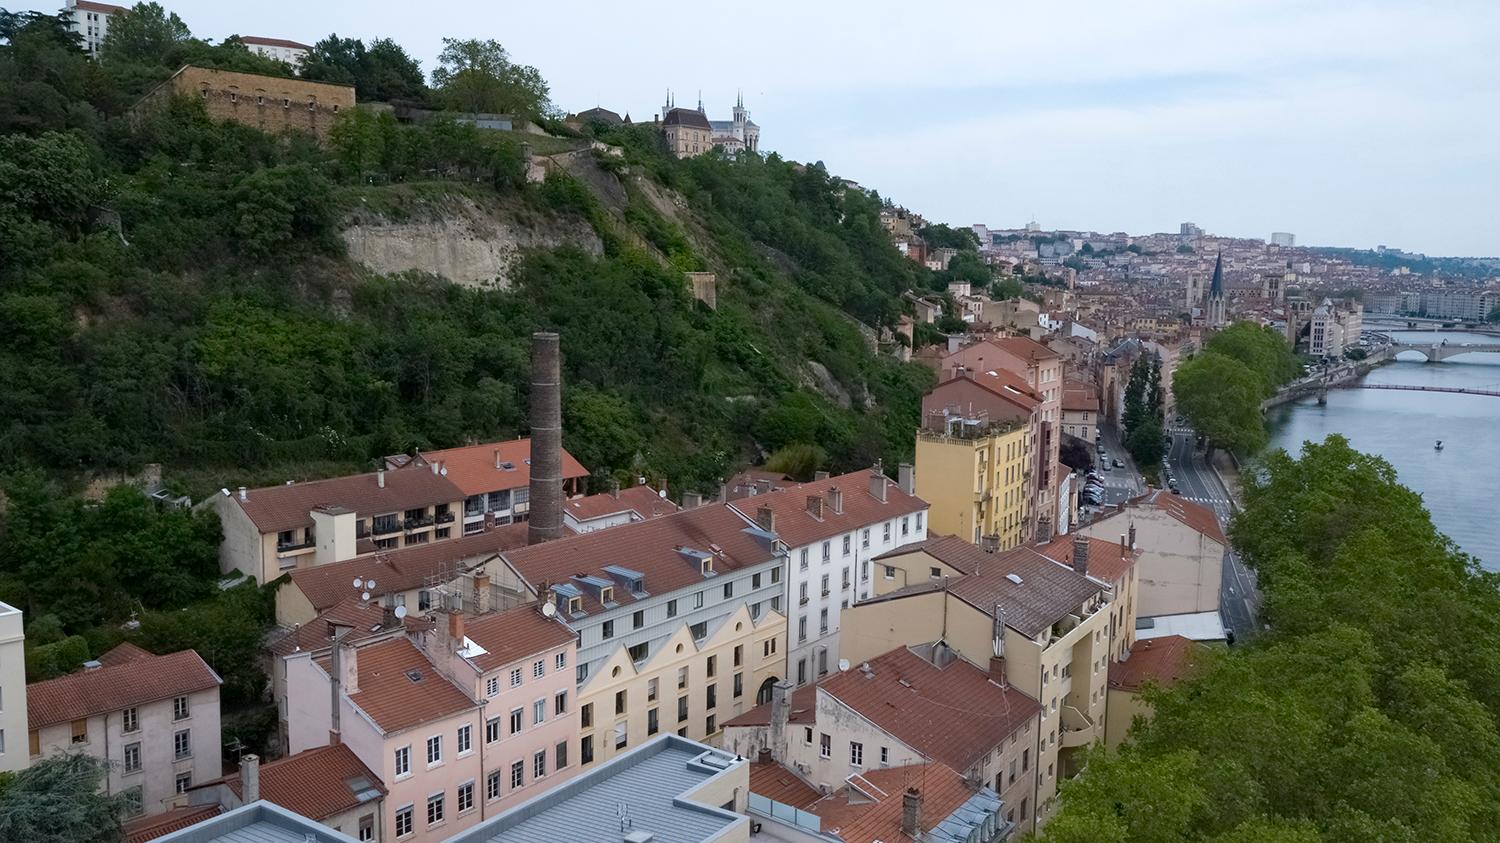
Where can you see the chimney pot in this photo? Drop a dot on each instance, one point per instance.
(997, 670)
(908, 478)
(1081, 554)
(380, 478)
(911, 813)
(765, 518)
(836, 500)
(244, 495)
(250, 778)
(815, 506)
(819, 475)
(878, 481)
(1132, 537)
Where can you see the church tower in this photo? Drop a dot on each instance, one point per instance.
(1216, 316)
(741, 116)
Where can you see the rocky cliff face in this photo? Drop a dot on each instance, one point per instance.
(459, 240)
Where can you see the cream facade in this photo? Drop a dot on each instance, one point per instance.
(975, 482)
(1180, 569)
(13, 756)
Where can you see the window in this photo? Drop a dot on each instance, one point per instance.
(516, 717)
(682, 709)
(560, 703)
(776, 575)
(848, 542)
(802, 628)
(403, 821)
(802, 592)
(885, 755)
(638, 652)
(1011, 774)
(935, 573)
(739, 685)
(698, 600)
(671, 608)
(517, 774)
(586, 715)
(637, 619)
(712, 697)
(652, 722)
(846, 578)
(465, 800)
(1025, 765)
(802, 671)
(80, 732)
(887, 530)
(492, 686)
(434, 750)
(713, 664)
(539, 764)
(823, 620)
(560, 661)
(682, 678)
(699, 630)
(492, 786)
(890, 571)
(651, 686)
(825, 585)
(492, 730)
(607, 630)
(864, 537)
(803, 559)
(905, 527)
(424, 600)
(582, 673)
(465, 739)
(134, 802)
(586, 749)
(129, 721)
(776, 603)
(132, 757)
(710, 725)
(768, 648)
(403, 761)
(182, 782)
(739, 655)
(864, 571)
(621, 736)
(827, 551)
(435, 809)
(755, 580)
(807, 735)
(825, 745)
(538, 711)
(560, 755)
(620, 702)
(856, 753)
(182, 744)
(515, 678)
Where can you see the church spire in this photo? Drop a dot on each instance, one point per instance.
(1216, 286)
(700, 101)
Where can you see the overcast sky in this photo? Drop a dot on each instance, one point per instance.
(1348, 123)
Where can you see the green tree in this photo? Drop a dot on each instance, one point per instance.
(60, 800)
(1221, 397)
(1263, 350)
(145, 33)
(799, 461)
(478, 76)
(382, 72)
(1007, 288)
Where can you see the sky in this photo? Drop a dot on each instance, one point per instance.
(1348, 123)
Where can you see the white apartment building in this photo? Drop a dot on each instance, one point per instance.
(12, 689)
(832, 528)
(91, 20)
(1335, 327)
(154, 719)
(291, 52)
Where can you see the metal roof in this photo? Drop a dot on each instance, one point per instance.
(258, 822)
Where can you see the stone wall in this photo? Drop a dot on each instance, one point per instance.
(269, 103)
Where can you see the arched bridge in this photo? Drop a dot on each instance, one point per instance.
(1437, 352)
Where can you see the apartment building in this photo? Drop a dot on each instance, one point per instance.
(12, 689)
(328, 785)
(1335, 326)
(1048, 623)
(1080, 412)
(615, 507)
(1163, 662)
(494, 478)
(832, 527)
(90, 21)
(153, 719)
(1181, 548)
(909, 706)
(1116, 566)
(976, 457)
(280, 49)
(669, 788)
(679, 622)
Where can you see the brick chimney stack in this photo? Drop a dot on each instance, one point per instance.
(546, 518)
(911, 813)
(1081, 554)
(250, 778)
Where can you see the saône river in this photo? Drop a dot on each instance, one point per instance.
(1460, 483)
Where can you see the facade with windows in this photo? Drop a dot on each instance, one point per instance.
(91, 21)
(832, 528)
(13, 756)
(154, 719)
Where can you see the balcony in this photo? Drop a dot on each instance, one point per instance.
(411, 524)
(1077, 728)
(385, 528)
(294, 548)
(445, 517)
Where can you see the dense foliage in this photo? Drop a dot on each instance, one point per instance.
(1143, 413)
(1220, 390)
(60, 800)
(1369, 711)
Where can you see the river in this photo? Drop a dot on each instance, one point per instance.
(1458, 484)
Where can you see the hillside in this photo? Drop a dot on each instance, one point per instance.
(243, 308)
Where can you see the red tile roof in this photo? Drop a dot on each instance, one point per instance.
(142, 829)
(392, 698)
(1163, 660)
(106, 8)
(275, 42)
(287, 507)
(1081, 398)
(950, 550)
(102, 690)
(642, 500)
(316, 783)
(479, 469)
(869, 807)
(652, 548)
(953, 714)
(363, 619)
(1195, 515)
(777, 783)
(1108, 560)
(515, 634)
(798, 527)
(404, 569)
(802, 710)
(123, 653)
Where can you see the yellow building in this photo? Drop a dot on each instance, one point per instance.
(1160, 661)
(976, 484)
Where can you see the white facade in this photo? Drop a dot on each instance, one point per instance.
(290, 52)
(13, 755)
(91, 21)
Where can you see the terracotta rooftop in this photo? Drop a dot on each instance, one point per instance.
(289, 506)
(1195, 515)
(399, 688)
(275, 42)
(316, 783)
(404, 569)
(142, 829)
(1082, 398)
(642, 500)
(106, 8)
(1162, 660)
(868, 808)
(798, 527)
(777, 783)
(489, 467)
(128, 683)
(123, 653)
(802, 710)
(665, 551)
(1000, 383)
(514, 634)
(950, 550)
(363, 619)
(1108, 560)
(953, 714)
(1023, 349)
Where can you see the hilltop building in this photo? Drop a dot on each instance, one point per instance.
(91, 21)
(280, 49)
(689, 132)
(269, 103)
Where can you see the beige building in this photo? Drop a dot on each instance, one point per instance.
(1160, 661)
(153, 719)
(12, 689)
(270, 103)
(1182, 552)
(687, 131)
(1080, 412)
(1049, 625)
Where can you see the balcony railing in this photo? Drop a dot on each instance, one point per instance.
(418, 523)
(385, 528)
(445, 517)
(288, 547)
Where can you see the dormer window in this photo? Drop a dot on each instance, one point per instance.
(607, 594)
(707, 565)
(575, 605)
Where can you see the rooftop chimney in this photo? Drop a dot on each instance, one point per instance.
(836, 500)
(1043, 529)
(614, 489)
(1081, 554)
(815, 506)
(997, 670)
(1132, 537)
(456, 627)
(244, 495)
(380, 478)
(546, 520)
(483, 598)
(765, 518)
(819, 475)
(781, 713)
(497, 458)
(877, 482)
(911, 813)
(250, 778)
(907, 477)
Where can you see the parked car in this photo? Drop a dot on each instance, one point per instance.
(1119, 464)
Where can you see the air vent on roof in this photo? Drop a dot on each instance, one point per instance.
(508, 466)
(414, 675)
(1015, 578)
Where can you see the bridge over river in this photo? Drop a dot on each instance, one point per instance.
(1457, 390)
(1437, 352)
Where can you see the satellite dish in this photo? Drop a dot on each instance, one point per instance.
(365, 597)
(549, 609)
(370, 585)
(400, 612)
(843, 664)
(358, 582)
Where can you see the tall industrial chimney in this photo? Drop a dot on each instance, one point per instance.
(546, 521)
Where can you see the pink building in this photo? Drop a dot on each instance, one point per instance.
(459, 722)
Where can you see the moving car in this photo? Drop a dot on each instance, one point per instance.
(1118, 464)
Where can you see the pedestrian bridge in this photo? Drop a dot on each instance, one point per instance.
(1436, 352)
(1458, 390)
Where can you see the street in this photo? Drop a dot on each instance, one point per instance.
(1120, 484)
(1239, 596)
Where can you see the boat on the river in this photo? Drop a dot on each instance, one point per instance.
(1438, 446)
